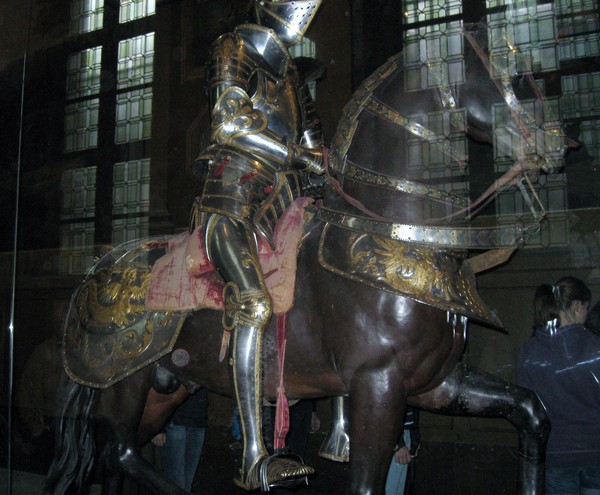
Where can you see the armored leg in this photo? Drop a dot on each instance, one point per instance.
(247, 312)
(336, 446)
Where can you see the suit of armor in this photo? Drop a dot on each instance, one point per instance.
(261, 134)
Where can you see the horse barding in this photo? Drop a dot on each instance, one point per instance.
(382, 296)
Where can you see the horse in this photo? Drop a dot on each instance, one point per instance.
(383, 295)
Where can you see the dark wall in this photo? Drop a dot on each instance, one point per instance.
(376, 35)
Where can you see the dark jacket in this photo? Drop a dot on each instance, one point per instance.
(193, 412)
(563, 368)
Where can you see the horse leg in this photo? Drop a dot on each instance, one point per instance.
(376, 411)
(74, 445)
(336, 446)
(470, 392)
(157, 410)
(122, 407)
(112, 479)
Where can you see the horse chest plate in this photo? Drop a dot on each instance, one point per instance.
(434, 277)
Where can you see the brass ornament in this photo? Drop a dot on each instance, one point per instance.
(407, 268)
(109, 334)
(244, 307)
(234, 117)
(438, 278)
(111, 297)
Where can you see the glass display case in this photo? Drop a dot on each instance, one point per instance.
(104, 111)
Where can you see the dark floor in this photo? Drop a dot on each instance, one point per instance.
(441, 469)
(26, 483)
(216, 477)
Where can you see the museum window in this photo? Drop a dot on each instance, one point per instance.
(77, 213)
(554, 40)
(306, 48)
(86, 16)
(108, 124)
(433, 55)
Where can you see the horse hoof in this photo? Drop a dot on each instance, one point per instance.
(275, 471)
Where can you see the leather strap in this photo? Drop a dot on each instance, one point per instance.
(435, 235)
(360, 174)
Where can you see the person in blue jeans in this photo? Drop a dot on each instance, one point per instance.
(561, 363)
(180, 445)
(405, 452)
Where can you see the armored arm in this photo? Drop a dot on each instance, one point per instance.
(235, 121)
(313, 183)
(309, 70)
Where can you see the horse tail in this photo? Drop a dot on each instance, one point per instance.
(74, 440)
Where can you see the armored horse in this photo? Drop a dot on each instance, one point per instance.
(382, 297)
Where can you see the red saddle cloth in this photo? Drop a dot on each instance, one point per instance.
(184, 279)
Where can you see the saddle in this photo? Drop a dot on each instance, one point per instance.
(184, 279)
(130, 308)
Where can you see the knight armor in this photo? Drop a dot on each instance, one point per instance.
(263, 131)
(258, 123)
(289, 20)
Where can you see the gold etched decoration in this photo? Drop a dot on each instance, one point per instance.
(234, 117)
(244, 307)
(405, 267)
(438, 278)
(361, 174)
(111, 297)
(108, 333)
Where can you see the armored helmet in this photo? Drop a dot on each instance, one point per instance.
(289, 19)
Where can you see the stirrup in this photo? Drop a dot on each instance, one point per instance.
(278, 470)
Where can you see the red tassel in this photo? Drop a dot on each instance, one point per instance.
(248, 176)
(282, 410)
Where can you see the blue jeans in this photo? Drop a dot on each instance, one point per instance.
(575, 480)
(396, 478)
(180, 454)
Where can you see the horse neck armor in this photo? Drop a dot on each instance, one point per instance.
(425, 233)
